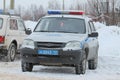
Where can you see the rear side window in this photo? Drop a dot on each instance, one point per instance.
(13, 24)
(1, 22)
(92, 26)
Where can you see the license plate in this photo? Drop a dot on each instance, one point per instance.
(48, 52)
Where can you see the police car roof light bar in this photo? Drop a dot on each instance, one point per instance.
(66, 12)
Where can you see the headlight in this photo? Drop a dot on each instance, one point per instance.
(73, 45)
(28, 43)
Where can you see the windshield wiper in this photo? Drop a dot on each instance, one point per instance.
(66, 32)
(57, 31)
(45, 31)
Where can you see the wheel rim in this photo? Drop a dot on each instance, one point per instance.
(12, 53)
(95, 62)
(26, 67)
(23, 66)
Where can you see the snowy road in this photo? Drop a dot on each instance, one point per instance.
(108, 69)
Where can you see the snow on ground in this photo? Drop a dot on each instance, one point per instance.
(108, 69)
(109, 41)
(108, 65)
(99, 25)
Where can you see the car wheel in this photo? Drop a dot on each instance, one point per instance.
(11, 53)
(26, 66)
(81, 68)
(92, 64)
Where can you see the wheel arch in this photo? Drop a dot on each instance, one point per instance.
(86, 49)
(14, 42)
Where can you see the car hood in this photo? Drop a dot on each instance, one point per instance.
(56, 37)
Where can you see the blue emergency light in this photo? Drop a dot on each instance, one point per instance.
(66, 12)
(54, 12)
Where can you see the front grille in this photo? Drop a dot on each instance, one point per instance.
(50, 45)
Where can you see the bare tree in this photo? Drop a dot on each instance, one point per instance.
(53, 4)
(19, 10)
(71, 7)
(113, 13)
(103, 10)
(78, 6)
(31, 13)
(40, 12)
(27, 15)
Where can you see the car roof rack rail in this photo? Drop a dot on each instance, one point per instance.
(4, 13)
(14, 14)
(7, 13)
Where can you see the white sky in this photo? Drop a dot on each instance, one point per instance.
(27, 3)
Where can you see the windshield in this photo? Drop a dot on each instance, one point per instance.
(61, 24)
(1, 22)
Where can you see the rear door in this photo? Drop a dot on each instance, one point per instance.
(15, 31)
(12, 33)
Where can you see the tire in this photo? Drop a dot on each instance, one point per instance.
(92, 64)
(26, 66)
(11, 53)
(81, 68)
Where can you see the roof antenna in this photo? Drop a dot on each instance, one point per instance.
(63, 5)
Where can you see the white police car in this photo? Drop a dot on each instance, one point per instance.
(62, 38)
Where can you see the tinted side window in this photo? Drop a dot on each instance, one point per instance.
(92, 26)
(89, 29)
(13, 24)
(21, 26)
(1, 22)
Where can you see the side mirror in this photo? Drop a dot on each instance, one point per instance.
(28, 31)
(93, 34)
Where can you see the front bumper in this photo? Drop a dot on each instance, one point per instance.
(70, 57)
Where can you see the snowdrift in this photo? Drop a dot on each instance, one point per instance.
(109, 40)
